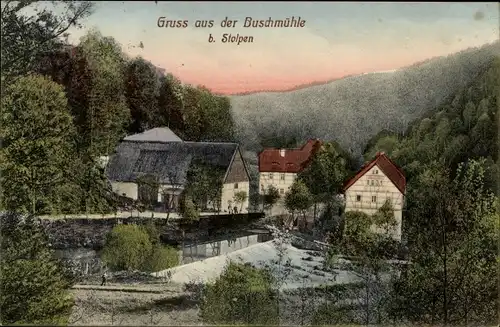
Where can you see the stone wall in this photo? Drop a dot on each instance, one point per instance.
(91, 233)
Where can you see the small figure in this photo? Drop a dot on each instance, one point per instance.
(104, 277)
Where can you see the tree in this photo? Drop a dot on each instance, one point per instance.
(240, 198)
(35, 287)
(384, 217)
(204, 185)
(147, 189)
(142, 86)
(96, 98)
(99, 104)
(367, 254)
(242, 294)
(217, 118)
(387, 144)
(36, 136)
(452, 278)
(189, 213)
(174, 189)
(298, 199)
(270, 197)
(25, 39)
(194, 121)
(126, 248)
(188, 210)
(325, 174)
(171, 104)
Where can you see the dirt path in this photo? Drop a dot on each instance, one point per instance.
(141, 305)
(142, 288)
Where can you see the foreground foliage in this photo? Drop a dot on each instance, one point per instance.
(34, 285)
(241, 295)
(453, 275)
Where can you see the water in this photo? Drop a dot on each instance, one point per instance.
(84, 261)
(197, 252)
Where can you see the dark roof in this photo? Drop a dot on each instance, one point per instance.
(287, 160)
(387, 166)
(159, 134)
(169, 161)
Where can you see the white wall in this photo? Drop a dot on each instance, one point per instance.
(169, 189)
(375, 184)
(129, 189)
(228, 192)
(282, 182)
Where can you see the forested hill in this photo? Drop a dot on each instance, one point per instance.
(462, 128)
(354, 109)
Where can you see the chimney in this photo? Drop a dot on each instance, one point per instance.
(282, 152)
(380, 153)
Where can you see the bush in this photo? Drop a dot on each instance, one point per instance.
(188, 210)
(241, 295)
(152, 231)
(161, 258)
(126, 247)
(132, 247)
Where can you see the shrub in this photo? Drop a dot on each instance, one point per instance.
(132, 247)
(34, 286)
(241, 295)
(161, 258)
(188, 210)
(127, 247)
(333, 314)
(152, 231)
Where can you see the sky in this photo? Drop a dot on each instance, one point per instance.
(338, 39)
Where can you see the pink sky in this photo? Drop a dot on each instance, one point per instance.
(339, 39)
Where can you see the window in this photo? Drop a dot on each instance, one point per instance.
(282, 177)
(374, 198)
(358, 198)
(367, 182)
(262, 187)
(371, 182)
(282, 191)
(270, 175)
(235, 185)
(375, 171)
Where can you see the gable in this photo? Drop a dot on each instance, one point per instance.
(375, 177)
(237, 171)
(387, 166)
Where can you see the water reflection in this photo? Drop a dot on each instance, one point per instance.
(85, 261)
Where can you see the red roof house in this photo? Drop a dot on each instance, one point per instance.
(387, 166)
(288, 160)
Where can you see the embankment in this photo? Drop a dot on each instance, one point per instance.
(91, 233)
